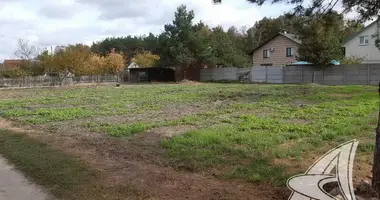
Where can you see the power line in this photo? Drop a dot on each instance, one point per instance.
(45, 44)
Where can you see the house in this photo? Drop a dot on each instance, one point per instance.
(362, 44)
(279, 50)
(9, 64)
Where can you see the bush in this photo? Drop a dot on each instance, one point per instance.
(13, 73)
(352, 60)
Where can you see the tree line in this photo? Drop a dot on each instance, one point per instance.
(187, 43)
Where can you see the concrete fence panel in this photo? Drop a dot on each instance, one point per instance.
(258, 74)
(374, 76)
(357, 74)
(312, 75)
(293, 74)
(224, 74)
(217, 74)
(334, 75)
(206, 74)
(274, 74)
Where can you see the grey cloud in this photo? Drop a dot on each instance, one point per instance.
(14, 25)
(117, 9)
(6, 53)
(59, 11)
(120, 12)
(69, 35)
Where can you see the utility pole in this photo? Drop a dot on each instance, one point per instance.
(376, 159)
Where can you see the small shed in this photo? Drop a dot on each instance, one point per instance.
(149, 74)
(132, 65)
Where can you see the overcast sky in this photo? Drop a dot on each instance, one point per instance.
(59, 22)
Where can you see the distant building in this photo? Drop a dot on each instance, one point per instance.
(9, 64)
(133, 65)
(280, 50)
(362, 44)
(12, 63)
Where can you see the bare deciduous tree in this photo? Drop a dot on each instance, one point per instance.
(25, 51)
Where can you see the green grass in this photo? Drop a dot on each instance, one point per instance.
(257, 139)
(64, 176)
(244, 128)
(260, 171)
(127, 129)
(61, 174)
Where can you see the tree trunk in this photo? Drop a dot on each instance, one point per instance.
(376, 159)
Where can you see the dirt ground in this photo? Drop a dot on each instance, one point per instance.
(127, 134)
(146, 170)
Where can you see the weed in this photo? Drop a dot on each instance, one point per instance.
(237, 123)
(127, 129)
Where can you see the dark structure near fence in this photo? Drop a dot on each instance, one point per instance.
(151, 74)
(358, 74)
(190, 73)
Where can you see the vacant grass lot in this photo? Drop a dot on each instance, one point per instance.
(234, 132)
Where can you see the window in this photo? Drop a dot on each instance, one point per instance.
(142, 76)
(289, 52)
(363, 40)
(266, 53)
(266, 64)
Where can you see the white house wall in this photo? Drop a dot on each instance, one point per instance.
(370, 52)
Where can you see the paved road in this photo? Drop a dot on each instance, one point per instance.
(14, 186)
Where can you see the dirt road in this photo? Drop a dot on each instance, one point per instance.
(14, 186)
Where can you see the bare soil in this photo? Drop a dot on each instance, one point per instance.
(141, 164)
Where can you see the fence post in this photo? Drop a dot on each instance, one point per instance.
(323, 75)
(301, 73)
(345, 75)
(283, 74)
(266, 74)
(368, 74)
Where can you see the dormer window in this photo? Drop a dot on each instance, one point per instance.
(363, 40)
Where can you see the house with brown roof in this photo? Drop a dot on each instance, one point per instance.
(279, 50)
(12, 63)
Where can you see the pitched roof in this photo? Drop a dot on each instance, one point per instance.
(290, 36)
(133, 65)
(359, 32)
(12, 63)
